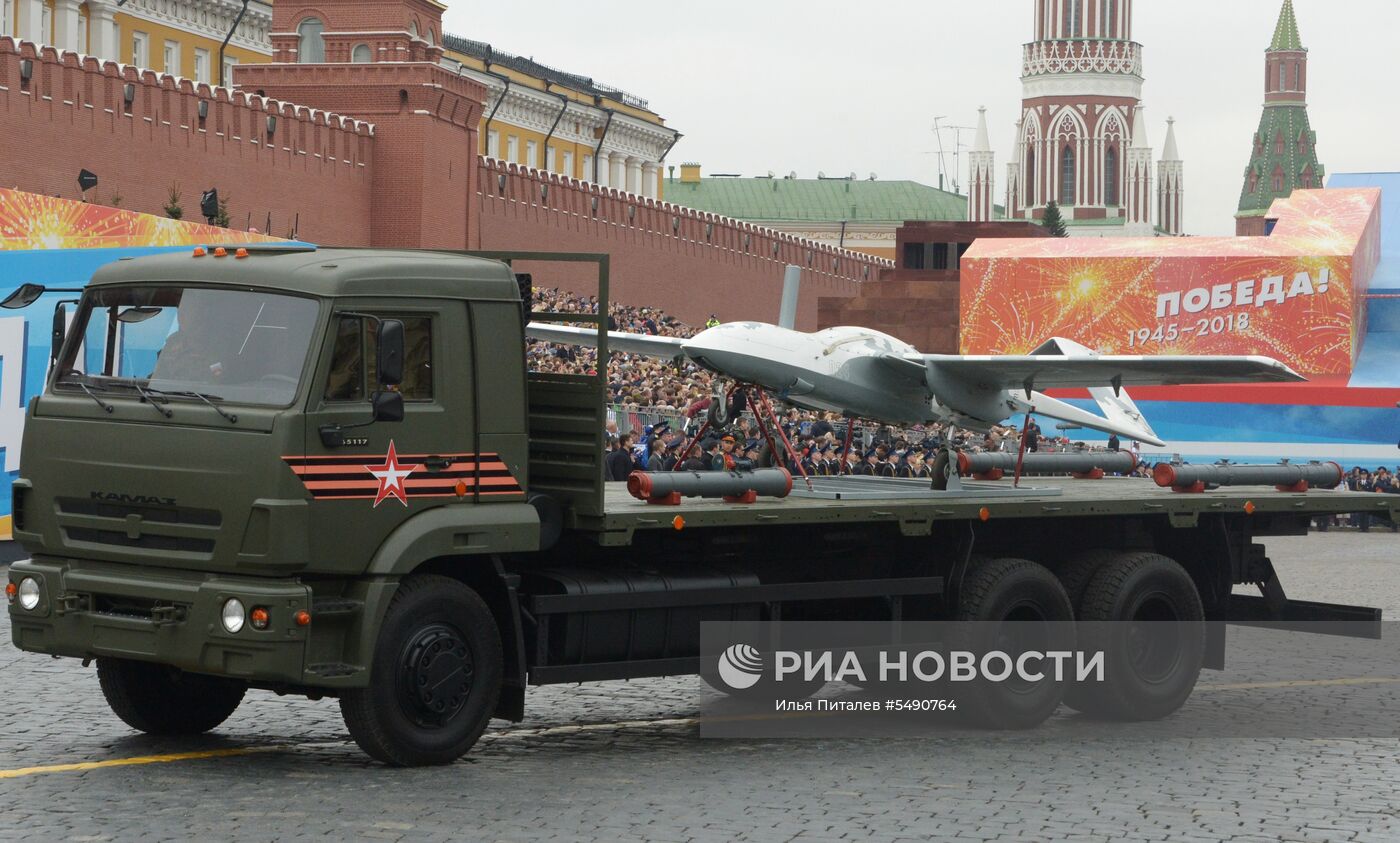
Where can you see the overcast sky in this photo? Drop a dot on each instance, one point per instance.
(840, 87)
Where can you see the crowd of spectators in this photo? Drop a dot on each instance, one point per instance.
(1381, 481)
(684, 391)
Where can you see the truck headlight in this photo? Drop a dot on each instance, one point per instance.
(28, 594)
(233, 614)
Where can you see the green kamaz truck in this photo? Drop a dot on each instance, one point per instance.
(329, 473)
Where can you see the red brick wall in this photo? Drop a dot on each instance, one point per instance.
(688, 262)
(73, 116)
(425, 133)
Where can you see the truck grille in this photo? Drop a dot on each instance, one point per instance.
(145, 541)
(139, 527)
(153, 514)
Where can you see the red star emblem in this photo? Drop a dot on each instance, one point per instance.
(391, 476)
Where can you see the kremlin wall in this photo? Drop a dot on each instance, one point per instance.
(381, 154)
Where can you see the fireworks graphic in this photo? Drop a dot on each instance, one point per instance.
(29, 221)
(1016, 294)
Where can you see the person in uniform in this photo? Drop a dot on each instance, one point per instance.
(724, 459)
(188, 354)
(902, 468)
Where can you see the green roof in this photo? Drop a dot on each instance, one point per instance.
(1291, 121)
(817, 200)
(1286, 33)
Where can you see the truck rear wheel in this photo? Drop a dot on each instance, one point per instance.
(1015, 604)
(435, 678)
(1143, 611)
(161, 700)
(1079, 570)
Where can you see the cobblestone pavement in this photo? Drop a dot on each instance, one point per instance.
(624, 761)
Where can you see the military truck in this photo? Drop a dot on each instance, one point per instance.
(329, 473)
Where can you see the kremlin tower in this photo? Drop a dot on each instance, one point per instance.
(1284, 154)
(1081, 140)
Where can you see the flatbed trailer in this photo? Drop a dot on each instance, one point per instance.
(428, 546)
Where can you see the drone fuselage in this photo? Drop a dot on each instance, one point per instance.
(837, 370)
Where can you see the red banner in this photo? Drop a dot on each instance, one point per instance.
(1292, 296)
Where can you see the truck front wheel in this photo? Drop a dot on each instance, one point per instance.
(1142, 611)
(435, 678)
(162, 700)
(1013, 606)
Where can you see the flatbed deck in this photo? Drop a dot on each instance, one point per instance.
(624, 514)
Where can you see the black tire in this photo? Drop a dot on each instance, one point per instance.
(435, 678)
(1030, 597)
(161, 700)
(1144, 612)
(1079, 570)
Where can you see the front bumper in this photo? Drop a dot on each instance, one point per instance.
(93, 609)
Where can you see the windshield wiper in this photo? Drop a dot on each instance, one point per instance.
(148, 396)
(207, 399)
(103, 404)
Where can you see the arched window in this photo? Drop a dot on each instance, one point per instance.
(1110, 177)
(1307, 178)
(1282, 76)
(1030, 177)
(311, 47)
(1298, 76)
(1278, 143)
(413, 28)
(1278, 180)
(432, 37)
(361, 54)
(1253, 181)
(1067, 176)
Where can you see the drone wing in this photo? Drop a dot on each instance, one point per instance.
(664, 348)
(1055, 371)
(1069, 365)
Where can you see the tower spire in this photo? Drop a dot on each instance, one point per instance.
(1286, 31)
(1171, 190)
(981, 180)
(983, 143)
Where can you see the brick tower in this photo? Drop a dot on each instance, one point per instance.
(1284, 155)
(378, 61)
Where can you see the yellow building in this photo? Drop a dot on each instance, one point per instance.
(564, 123)
(180, 37)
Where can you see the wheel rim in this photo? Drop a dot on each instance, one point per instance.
(1154, 643)
(1027, 630)
(436, 673)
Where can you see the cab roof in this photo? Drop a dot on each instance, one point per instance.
(326, 272)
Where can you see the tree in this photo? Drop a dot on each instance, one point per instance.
(1053, 222)
(172, 207)
(222, 219)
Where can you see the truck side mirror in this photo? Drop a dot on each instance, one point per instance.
(388, 406)
(60, 328)
(23, 297)
(389, 341)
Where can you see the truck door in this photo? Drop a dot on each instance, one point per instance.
(383, 472)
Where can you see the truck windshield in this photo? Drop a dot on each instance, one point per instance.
(244, 346)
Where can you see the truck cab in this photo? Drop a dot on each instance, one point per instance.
(219, 477)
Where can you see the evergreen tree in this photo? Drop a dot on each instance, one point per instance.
(1053, 222)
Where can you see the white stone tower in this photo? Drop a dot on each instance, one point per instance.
(1171, 189)
(981, 181)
